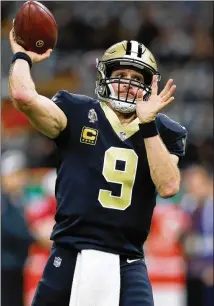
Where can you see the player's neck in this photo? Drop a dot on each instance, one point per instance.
(124, 118)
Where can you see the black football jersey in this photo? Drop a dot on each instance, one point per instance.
(105, 195)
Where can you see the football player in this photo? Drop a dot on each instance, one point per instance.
(116, 153)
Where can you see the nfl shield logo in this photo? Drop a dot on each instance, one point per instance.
(122, 135)
(92, 115)
(57, 262)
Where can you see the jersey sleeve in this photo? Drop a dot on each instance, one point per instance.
(72, 105)
(60, 100)
(173, 135)
(64, 102)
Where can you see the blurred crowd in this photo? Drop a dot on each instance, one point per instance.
(180, 35)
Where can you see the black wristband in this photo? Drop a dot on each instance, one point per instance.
(148, 129)
(22, 55)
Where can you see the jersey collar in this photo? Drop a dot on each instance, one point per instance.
(129, 129)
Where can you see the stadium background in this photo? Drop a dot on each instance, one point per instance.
(180, 36)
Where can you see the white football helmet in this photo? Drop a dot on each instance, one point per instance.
(125, 54)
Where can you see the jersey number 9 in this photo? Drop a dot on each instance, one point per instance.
(126, 178)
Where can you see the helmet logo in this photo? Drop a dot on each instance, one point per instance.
(152, 59)
(111, 52)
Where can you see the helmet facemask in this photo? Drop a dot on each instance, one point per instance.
(106, 92)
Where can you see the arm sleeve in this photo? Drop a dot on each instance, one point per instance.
(173, 135)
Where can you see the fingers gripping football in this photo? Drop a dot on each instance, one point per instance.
(34, 56)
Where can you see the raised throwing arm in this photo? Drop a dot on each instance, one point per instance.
(43, 113)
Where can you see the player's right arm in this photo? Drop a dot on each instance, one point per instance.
(43, 113)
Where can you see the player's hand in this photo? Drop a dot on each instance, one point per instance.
(148, 110)
(34, 56)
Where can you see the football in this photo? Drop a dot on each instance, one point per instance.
(35, 28)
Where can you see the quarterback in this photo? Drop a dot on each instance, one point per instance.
(116, 153)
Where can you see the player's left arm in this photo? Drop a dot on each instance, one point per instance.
(163, 159)
(163, 167)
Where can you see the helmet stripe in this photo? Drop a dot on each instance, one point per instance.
(129, 47)
(139, 53)
(134, 49)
